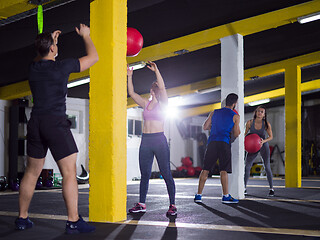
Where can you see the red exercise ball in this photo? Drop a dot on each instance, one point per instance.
(197, 170)
(182, 168)
(186, 162)
(134, 42)
(252, 143)
(191, 171)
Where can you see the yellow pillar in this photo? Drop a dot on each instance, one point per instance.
(108, 112)
(293, 126)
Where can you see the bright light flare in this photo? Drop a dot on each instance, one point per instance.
(172, 112)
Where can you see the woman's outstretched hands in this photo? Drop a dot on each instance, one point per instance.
(152, 66)
(129, 71)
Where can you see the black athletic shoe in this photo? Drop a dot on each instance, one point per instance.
(271, 193)
(23, 223)
(79, 226)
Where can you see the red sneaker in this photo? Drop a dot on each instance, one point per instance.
(138, 208)
(172, 210)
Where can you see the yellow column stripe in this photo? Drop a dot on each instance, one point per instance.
(293, 126)
(108, 113)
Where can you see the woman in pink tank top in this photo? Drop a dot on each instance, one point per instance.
(153, 142)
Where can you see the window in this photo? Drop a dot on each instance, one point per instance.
(130, 126)
(195, 130)
(138, 127)
(134, 127)
(73, 120)
(76, 119)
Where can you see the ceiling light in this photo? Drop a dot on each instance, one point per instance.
(259, 102)
(208, 90)
(181, 52)
(309, 18)
(78, 82)
(137, 65)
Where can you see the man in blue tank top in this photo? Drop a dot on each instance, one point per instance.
(223, 123)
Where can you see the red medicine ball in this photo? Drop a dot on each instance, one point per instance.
(134, 42)
(186, 162)
(191, 171)
(252, 143)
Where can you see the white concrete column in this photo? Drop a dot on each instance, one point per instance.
(232, 82)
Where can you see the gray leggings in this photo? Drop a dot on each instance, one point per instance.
(265, 154)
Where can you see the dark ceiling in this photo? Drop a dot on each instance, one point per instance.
(162, 20)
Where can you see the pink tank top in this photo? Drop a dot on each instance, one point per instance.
(155, 113)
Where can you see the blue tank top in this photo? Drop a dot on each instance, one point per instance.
(221, 125)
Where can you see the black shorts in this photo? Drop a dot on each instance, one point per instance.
(218, 150)
(51, 132)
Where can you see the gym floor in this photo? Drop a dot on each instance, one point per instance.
(291, 214)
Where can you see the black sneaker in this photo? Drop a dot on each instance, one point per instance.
(23, 223)
(79, 226)
(271, 193)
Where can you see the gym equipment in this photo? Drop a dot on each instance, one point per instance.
(14, 185)
(252, 143)
(183, 170)
(197, 171)
(187, 161)
(84, 176)
(155, 175)
(39, 183)
(190, 171)
(134, 42)
(3, 183)
(48, 182)
(57, 180)
(40, 19)
(257, 169)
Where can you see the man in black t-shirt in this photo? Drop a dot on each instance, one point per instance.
(49, 127)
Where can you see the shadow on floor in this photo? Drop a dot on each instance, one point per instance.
(171, 232)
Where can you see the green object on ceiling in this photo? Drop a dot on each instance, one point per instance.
(40, 19)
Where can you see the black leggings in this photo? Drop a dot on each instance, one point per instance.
(155, 144)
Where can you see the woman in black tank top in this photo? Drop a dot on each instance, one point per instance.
(259, 125)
